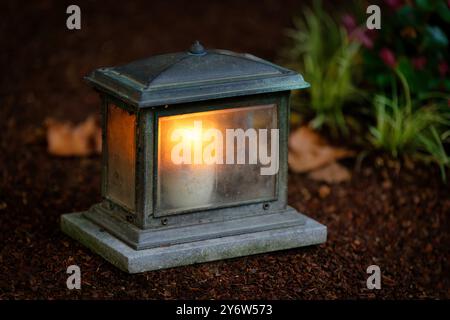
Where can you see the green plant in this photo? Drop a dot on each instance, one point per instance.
(414, 39)
(324, 54)
(403, 129)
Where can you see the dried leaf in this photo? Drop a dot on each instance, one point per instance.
(66, 139)
(332, 173)
(308, 151)
(324, 191)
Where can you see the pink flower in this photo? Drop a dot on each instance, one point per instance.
(388, 57)
(443, 68)
(362, 35)
(394, 4)
(419, 62)
(359, 34)
(349, 22)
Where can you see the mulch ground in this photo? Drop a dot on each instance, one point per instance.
(390, 215)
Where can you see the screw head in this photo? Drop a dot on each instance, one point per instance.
(107, 205)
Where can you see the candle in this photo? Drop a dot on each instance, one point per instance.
(189, 186)
(187, 182)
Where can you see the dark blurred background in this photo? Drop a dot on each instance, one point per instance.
(43, 62)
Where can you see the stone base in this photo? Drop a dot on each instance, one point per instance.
(133, 261)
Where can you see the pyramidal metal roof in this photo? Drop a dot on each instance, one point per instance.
(194, 75)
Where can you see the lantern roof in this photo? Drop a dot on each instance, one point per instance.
(195, 75)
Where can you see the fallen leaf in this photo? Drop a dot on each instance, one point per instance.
(324, 191)
(308, 151)
(332, 173)
(66, 139)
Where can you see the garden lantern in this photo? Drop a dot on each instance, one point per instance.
(194, 162)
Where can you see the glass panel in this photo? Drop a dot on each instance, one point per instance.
(201, 164)
(121, 156)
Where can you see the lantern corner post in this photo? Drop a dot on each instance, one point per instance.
(145, 162)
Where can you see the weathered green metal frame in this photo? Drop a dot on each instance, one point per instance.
(117, 82)
(131, 226)
(146, 156)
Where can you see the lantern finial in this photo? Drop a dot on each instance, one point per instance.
(197, 48)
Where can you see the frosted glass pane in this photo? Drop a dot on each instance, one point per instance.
(198, 185)
(121, 156)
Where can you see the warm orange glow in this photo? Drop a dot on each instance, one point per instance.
(193, 170)
(121, 149)
(181, 129)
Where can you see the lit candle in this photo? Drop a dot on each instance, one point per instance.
(187, 182)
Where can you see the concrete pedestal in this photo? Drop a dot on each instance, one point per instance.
(130, 260)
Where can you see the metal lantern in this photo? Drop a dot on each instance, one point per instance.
(166, 205)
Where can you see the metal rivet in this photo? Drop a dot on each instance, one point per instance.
(107, 205)
(266, 206)
(164, 221)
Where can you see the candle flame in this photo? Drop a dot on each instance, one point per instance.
(192, 134)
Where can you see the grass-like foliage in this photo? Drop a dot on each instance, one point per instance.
(322, 51)
(405, 128)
